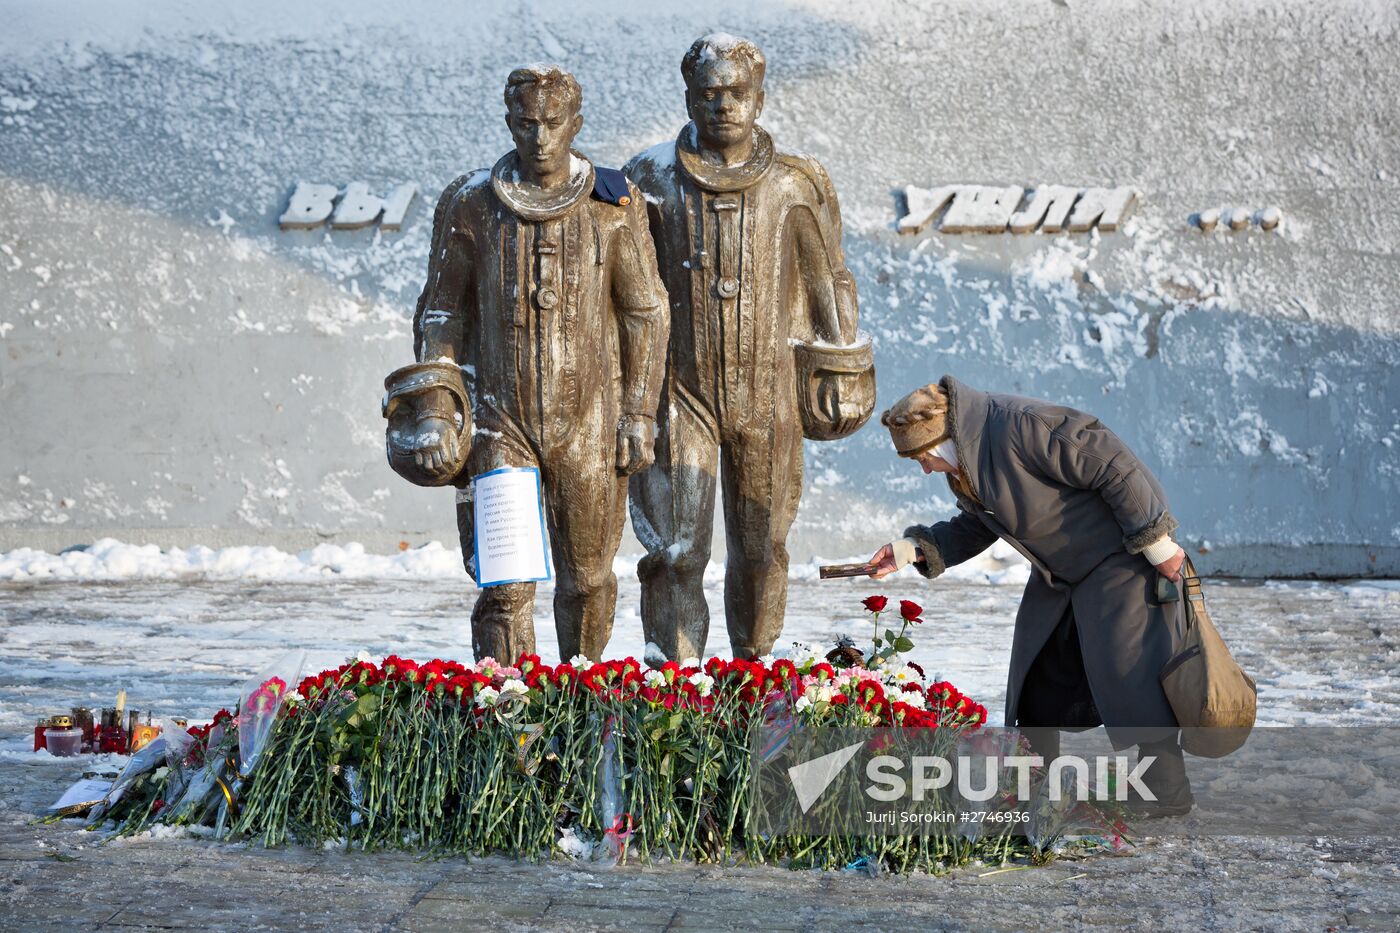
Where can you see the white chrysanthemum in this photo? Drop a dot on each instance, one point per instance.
(580, 662)
(703, 682)
(905, 675)
(487, 696)
(515, 686)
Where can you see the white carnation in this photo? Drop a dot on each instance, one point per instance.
(487, 696)
(654, 679)
(914, 698)
(515, 686)
(579, 662)
(703, 682)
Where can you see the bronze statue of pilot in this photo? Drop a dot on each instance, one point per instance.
(542, 289)
(763, 351)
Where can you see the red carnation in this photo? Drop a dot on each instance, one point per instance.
(875, 603)
(910, 610)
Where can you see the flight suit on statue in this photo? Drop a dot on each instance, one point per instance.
(551, 302)
(751, 258)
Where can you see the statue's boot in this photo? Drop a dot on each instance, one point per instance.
(503, 622)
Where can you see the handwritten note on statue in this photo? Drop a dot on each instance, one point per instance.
(509, 527)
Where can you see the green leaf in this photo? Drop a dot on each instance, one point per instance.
(904, 644)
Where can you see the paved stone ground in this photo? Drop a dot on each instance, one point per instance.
(57, 878)
(1325, 654)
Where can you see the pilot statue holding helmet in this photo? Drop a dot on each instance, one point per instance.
(763, 352)
(543, 290)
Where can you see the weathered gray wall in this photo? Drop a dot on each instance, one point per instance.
(175, 369)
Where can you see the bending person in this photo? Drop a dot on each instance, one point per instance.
(1068, 494)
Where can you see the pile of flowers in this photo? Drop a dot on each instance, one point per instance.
(528, 758)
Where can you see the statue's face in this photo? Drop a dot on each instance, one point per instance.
(543, 124)
(724, 102)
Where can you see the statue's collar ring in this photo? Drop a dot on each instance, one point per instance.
(529, 202)
(713, 177)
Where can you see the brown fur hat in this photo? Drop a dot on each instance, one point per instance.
(918, 421)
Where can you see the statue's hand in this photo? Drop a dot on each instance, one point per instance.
(435, 445)
(843, 416)
(635, 444)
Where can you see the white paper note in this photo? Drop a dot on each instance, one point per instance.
(87, 791)
(508, 539)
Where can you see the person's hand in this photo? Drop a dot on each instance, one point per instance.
(1171, 567)
(884, 563)
(435, 445)
(636, 449)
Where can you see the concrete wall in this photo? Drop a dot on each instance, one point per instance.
(175, 369)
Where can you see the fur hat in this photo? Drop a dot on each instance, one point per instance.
(918, 421)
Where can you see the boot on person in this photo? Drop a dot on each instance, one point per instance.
(1165, 778)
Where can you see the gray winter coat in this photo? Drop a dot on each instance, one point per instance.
(1068, 494)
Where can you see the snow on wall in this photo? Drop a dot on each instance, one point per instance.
(174, 368)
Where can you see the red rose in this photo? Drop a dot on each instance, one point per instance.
(875, 603)
(910, 610)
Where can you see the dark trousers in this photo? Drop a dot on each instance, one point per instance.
(1056, 697)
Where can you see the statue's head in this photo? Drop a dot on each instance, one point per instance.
(723, 87)
(542, 111)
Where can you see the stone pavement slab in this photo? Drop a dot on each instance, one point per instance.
(1165, 883)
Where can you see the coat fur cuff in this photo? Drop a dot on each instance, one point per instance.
(1161, 526)
(933, 559)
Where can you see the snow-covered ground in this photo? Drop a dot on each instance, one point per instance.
(181, 631)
